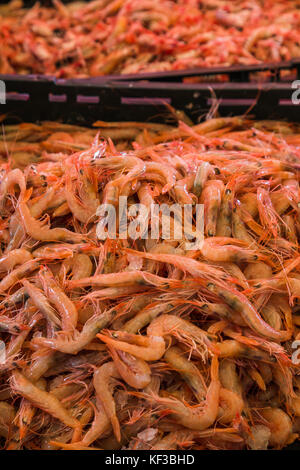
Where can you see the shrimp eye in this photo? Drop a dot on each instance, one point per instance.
(115, 335)
(228, 191)
(217, 171)
(209, 285)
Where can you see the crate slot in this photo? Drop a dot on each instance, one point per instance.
(232, 101)
(286, 103)
(87, 99)
(57, 98)
(13, 96)
(145, 101)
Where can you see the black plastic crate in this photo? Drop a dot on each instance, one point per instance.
(83, 102)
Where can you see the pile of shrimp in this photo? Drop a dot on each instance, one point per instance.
(26, 143)
(123, 343)
(102, 37)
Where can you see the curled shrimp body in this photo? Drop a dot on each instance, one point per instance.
(35, 229)
(64, 305)
(229, 377)
(232, 349)
(272, 316)
(278, 284)
(18, 273)
(258, 270)
(148, 348)
(152, 346)
(102, 384)
(249, 203)
(181, 187)
(41, 302)
(144, 317)
(27, 411)
(133, 371)
(172, 325)
(100, 424)
(11, 179)
(53, 251)
(280, 425)
(114, 188)
(80, 266)
(191, 374)
(7, 417)
(169, 177)
(75, 341)
(172, 440)
(13, 258)
(198, 417)
(240, 303)
(42, 203)
(85, 205)
(44, 401)
(231, 406)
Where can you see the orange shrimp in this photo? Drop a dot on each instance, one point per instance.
(44, 401)
(211, 197)
(198, 417)
(64, 305)
(35, 229)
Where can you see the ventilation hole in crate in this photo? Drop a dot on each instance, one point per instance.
(88, 99)
(145, 101)
(232, 102)
(285, 103)
(17, 96)
(214, 78)
(57, 98)
(288, 75)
